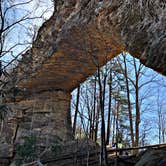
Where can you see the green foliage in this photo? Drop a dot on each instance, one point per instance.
(26, 151)
(56, 147)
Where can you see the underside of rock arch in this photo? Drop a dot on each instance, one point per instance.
(83, 34)
(79, 37)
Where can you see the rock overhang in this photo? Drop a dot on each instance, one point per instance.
(80, 36)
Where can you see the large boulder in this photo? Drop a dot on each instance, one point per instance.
(153, 157)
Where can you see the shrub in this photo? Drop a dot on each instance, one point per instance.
(56, 147)
(26, 151)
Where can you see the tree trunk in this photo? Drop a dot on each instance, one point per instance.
(129, 102)
(94, 111)
(97, 120)
(113, 130)
(137, 118)
(76, 111)
(109, 109)
(103, 141)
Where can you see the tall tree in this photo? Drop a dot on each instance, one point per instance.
(102, 100)
(125, 72)
(109, 107)
(161, 120)
(19, 22)
(76, 110)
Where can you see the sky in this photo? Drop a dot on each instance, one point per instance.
(154, 93)
(20, 35)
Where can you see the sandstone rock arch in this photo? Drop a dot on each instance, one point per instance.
(79, 35)
(79, 30)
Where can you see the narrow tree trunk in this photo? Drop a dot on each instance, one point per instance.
(117, 125)
(163, 132)
(91, 125)
(103, 141)
(137, 118)
(129, 102)
(159, 117)
(76, 111)
(113, 129)
(159, 125)
(97, 120)
(94, 110)
(109, 109)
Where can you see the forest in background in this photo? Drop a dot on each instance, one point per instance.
(126, 100)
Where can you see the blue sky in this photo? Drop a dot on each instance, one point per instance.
(150, 93)
(22, 33)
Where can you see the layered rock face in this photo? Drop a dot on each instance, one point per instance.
(45, 116)
(79, 37)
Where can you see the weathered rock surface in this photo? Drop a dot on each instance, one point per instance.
(84, 34)
(46, 115)
(6, 150)
(80, 36)
(153, 157)
(6, 153)
(150, 157)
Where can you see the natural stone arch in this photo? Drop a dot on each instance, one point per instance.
(108, 27)
(68, 44)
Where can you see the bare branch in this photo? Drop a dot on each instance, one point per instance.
(15, 5)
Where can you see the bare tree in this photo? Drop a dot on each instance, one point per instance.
(76, 110)
(125, 72)
(161, 120)
(109, 108)
(19, 22)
